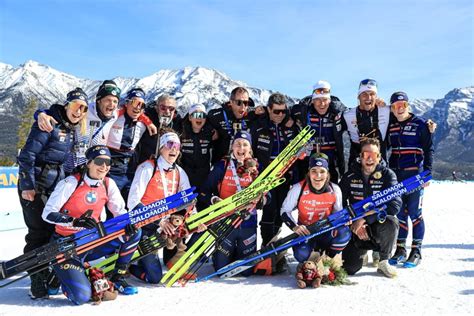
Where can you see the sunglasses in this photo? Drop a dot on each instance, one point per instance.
(368, 82)
(241, 102)
(165, 108)
(198, 115)
(398, 105)
(321, 91)
(278, 112)
(320, 155)
(100, 161)
(170, 145)
(137, 103)
(74, 106)
(370, 154)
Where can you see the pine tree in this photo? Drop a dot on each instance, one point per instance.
(26, 121)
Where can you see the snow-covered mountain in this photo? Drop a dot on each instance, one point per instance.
(18, 85)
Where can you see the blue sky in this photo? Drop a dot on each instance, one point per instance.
(424, 47)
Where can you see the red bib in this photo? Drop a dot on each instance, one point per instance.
(155, 189)
(313, 207)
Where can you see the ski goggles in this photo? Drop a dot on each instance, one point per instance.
(137, 103)
(321, 91)
(198, 115)
(111, 89)
(370, 154)
(170, 145)
(400, 105)
(368, 82)
(75, 106)
(241, 102)
(99, 161)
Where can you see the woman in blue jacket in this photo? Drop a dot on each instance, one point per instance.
(40, 169)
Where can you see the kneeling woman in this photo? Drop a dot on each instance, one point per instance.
(154, 180)
(315, 198)
(89, 193)
(224, 181)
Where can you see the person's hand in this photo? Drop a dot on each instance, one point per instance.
(85, 222)
(28, 195)
(167, 227)
(215, 199)
(259, 110)
(426, 184)
(359, 228)
(46, 122)
(431, 126)
(301, 230)
(201, 227)
(215, 135)
(152, 130)
(380, 102)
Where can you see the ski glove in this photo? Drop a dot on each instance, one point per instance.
(86, 222)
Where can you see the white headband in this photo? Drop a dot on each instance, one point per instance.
(169, 137)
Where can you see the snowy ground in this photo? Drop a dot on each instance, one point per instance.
(442, 284)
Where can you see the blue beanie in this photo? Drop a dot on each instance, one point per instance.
(316, 161)
(398, 96)
(244, 135)
(76, 94)
(135, 93)
(97, 150)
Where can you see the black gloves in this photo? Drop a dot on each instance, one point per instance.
(85, 221)
(130, 229)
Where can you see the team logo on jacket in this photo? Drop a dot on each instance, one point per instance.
(378, 175)
(91, 197)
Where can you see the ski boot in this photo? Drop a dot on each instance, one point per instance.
(399, 256)
(414, 258)
(386, 269)
(375, 259)
(53, 284)
(121, 284)
(38, 288)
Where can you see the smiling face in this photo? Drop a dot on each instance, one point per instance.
(321, 105)
(107, 105)
(241, 149)
(400, 110)
(170, 151)
(240, 104)
(318, 177)
(197, 119)
(76, 110)
(370, 158)
(99, 167)
(166, 107)
(277, 113)
(135, 107)
(367, 100)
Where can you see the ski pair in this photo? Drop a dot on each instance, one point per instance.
(269, 175)
(267, 180)
(64, 248)
(358, 210)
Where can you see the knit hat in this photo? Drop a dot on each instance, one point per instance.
(322, 89)
(317, 161)
(98, 150)
(398, 96)
(196, 108)
(108, 87)
(367, 85)
(169, 137)
(243, 135)
(76, 94)
(135, 93)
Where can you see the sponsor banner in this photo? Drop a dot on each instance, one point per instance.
(8, 177)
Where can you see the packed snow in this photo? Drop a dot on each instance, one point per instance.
(442, 284)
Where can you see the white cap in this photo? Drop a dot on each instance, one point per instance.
(367, 85)
(321, 84)
(169, 137)
(197, 108)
